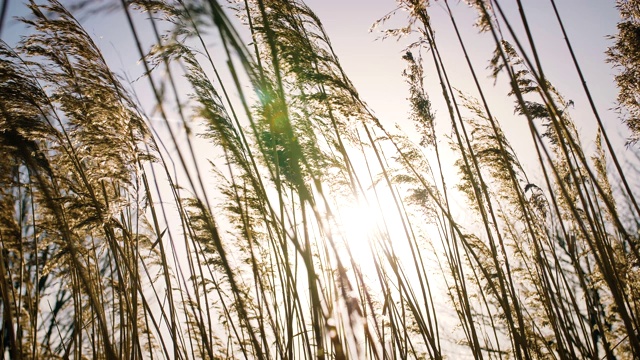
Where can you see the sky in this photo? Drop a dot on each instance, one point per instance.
(375, 65)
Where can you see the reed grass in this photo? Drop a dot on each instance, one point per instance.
(223, 232)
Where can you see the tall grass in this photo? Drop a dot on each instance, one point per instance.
(224, 231)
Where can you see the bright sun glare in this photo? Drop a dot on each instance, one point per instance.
(367, 224)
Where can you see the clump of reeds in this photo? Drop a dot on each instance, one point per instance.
(222, 234)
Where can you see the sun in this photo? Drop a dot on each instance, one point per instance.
(358, 222)
(367, 226)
